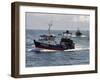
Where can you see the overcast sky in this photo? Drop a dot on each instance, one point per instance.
(59, 21)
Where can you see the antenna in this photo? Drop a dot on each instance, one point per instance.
(50, 24)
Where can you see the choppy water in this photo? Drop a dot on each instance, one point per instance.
(58, 58)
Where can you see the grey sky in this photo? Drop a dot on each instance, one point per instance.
(59, 21)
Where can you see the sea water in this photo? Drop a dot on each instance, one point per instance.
(56, 58)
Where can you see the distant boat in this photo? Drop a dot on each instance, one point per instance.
(78, 33)
(47, 41)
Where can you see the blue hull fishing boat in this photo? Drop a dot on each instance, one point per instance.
(48, 41)
(54, 47)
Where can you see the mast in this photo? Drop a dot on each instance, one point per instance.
(50, 24)
(49, 33)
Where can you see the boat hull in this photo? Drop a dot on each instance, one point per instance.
(51, 47)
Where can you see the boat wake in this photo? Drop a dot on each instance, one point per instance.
(77, 49)
(50, 51)
(79, 36)
(39, 50)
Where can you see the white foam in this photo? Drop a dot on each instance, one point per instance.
(77, 49)
(47, 50)
(29, 50)
(79, 36)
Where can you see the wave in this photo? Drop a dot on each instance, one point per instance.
(77, 49)
(79, 36)
(47, 50)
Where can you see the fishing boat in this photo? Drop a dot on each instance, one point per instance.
(47, 41)
(78, 33)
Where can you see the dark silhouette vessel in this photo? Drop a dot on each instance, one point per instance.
(78, 33)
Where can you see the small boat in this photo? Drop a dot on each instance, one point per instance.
(47, 41)
(78, 33)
